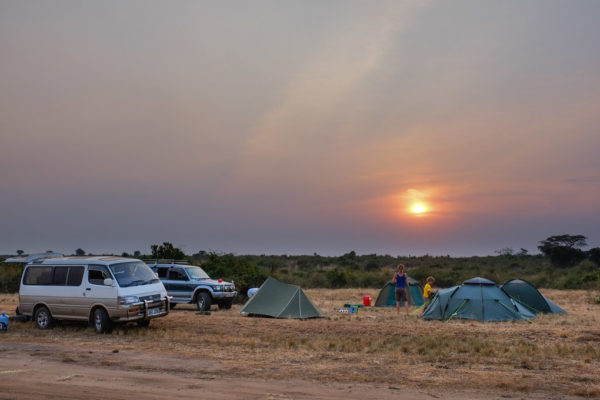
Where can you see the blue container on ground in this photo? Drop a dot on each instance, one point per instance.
(3, 322)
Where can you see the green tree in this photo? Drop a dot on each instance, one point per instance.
(231, 268)
(594, 255)
(79, 252)
(564, 250)
(20, 252)
(507, 252)
(167, 251)
(337, 278)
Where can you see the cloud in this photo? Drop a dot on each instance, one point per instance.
(304, 137)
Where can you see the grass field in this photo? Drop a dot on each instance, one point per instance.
(553, 354)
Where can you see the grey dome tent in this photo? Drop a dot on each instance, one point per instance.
(526, 294)
(386, 297)
(279, 300)
(478, 299)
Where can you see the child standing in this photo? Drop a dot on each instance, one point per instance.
(427, 295)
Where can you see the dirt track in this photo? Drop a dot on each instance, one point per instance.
(50, 372)
(372, 355)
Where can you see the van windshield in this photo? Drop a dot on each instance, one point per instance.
(197, 273)
(133, 274)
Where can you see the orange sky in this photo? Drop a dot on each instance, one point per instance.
(298, 128)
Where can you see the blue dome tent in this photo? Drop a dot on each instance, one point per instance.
(477, 299)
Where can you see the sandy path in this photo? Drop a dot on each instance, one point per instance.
(36, 371)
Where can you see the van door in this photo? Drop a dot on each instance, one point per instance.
(98, 293)
(67, 282)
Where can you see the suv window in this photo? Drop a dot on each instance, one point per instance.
(97, 274)
(162, 272)
(177, 275)
(38, 276)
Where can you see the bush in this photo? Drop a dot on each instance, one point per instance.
(594, 255)
(10, 277)
(337, 278)
(230, 268)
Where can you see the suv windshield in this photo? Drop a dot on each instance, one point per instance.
(197, 273)
(133, 274)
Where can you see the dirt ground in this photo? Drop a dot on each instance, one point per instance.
(373, 354)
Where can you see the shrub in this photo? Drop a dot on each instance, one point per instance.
(244, 274)
(10, 277)
(337, 278)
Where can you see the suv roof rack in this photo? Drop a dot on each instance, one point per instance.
(165, 261)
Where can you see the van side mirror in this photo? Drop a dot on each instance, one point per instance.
(108, 282)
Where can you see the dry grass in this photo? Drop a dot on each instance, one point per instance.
(553, 353)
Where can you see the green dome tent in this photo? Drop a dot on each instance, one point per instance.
(280, 300)
(386, 297)
(477, 298)
(526, 294)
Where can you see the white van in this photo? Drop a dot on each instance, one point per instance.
(100, 290)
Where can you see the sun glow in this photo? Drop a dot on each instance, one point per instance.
(418, 208)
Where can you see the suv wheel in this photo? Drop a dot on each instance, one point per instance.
(43, 318)
(226, 305)
(203, 301)
(101, 321)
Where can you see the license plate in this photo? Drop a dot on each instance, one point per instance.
(153, 311)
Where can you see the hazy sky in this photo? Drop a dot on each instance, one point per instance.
(298, 126)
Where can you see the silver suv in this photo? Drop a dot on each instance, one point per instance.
(191, 285)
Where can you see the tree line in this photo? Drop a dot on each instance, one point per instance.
(563, 263)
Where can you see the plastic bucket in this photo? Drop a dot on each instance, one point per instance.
(367, 301)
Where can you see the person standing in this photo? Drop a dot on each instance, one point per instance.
(427, 293)
(400, 283)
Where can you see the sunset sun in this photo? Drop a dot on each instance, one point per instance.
(418, 208)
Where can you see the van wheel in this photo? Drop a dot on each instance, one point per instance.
(203, 301)
(172, 305)
(143, 323)
(43, 318)
(102, 323)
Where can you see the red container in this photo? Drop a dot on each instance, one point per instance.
(367, 300)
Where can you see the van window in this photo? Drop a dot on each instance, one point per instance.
(38, 276)
(97, 274)
(60, 275)
(133, 274)
(75, 276)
